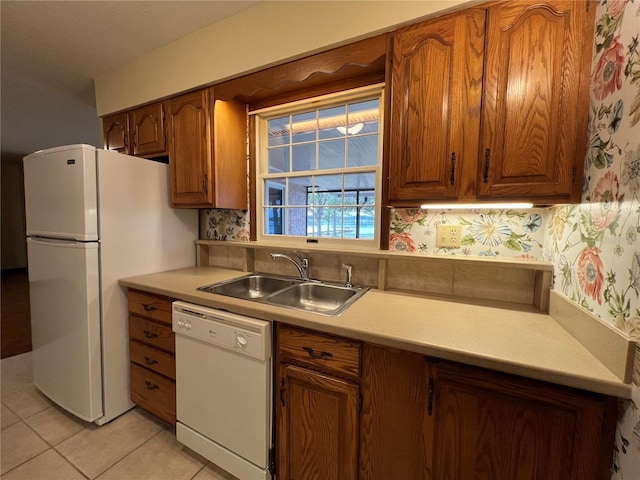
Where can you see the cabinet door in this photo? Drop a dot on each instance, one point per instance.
(396, 424)
(498, 427)
(147, 130)
(317, 436)
(116, 132)
(535, 101)
(190, 149)
(435, 108)
(229, 153)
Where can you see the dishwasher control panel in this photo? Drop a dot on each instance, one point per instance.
(245, 335)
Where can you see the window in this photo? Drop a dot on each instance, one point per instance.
(319, 169)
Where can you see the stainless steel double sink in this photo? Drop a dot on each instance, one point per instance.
(311, 296)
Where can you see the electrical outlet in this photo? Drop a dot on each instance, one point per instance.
(448, 236)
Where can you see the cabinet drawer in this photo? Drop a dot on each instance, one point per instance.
(154, 393)
(151, 333)
(149, 305)
(153, 359)
(334, 355)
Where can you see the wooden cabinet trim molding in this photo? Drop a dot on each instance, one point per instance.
(363, 59)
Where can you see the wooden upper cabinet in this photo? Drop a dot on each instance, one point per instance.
(491, 104)
(207, 151)
(140, 132)
(189, 135)
(116, 132)
(436, 88)
(148, 130)
(535, 102)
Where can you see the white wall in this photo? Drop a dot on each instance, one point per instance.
(263, 35)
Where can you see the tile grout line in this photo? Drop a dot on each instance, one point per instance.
(50, 445)
(129, 453)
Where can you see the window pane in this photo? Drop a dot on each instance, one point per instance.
(274, 221)
(279, 131)
(331, 118)
(297, 221)
(365, 113)
(367, 222)
(274, 191)
(279, 159)
(360, 181)
(304, 127)
(331, 154)
(329, 221)
(363, 151)
(328, 190)
(299, 187)
(304, 157)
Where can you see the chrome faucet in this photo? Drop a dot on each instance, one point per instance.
(302, 266)
(348, 268)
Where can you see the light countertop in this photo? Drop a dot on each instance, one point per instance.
(515, 340)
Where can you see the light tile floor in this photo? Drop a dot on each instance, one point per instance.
(39, 440)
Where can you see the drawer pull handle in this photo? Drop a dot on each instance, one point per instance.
(316, 355)
(148, 308)
(151, 385)
(150, 361)
(149, 334)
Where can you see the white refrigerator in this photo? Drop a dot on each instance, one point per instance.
(94, 216)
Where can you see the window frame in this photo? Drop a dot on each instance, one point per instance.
(260, 165)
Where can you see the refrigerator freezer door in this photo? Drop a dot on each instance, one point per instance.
(60, 193)
(65, 324)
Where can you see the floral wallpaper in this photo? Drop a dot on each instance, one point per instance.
(219, 224)
(492, 233)
(595, 246)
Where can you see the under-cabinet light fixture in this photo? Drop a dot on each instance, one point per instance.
(473, 206)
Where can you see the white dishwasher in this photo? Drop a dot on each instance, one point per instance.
(223, 388)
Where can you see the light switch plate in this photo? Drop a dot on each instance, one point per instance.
(448, 236)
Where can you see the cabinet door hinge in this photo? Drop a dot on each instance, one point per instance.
(272, 461)
(360, 404)
(574, 173)
(430, 398)
(205, 184)
(282, 387)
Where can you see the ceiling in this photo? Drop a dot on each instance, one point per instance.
(52, 50)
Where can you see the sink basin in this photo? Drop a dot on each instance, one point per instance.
(312, 296)
(250, 287)
(316, 297)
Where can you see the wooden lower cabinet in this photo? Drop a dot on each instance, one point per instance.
(410, 417)
(152, 354)
(317, 405)
(499, 427)
(317, 426)
(435, 420)
(396, 439)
